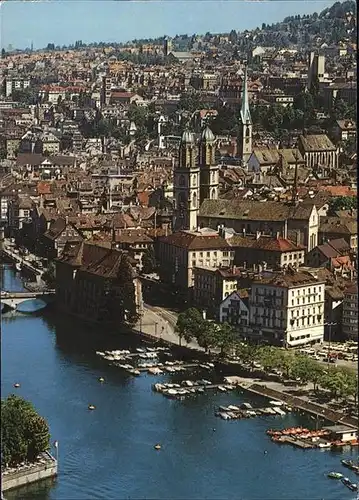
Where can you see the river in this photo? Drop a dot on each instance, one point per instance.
(109, 453)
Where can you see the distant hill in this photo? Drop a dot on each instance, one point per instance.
(334, 24)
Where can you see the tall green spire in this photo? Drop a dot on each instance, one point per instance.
(245, 113)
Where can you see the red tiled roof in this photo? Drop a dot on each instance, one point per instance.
(276, 245)
(43, 188)
(122, 95)
(143, 198)
(340, 190)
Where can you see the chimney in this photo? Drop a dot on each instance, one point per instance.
(277, 235)
(244, 265)
(67, 219)
(258, 234)
(244, 232)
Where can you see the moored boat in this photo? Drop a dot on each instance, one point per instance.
(349, 484)
(335, 475)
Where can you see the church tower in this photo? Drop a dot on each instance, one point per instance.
(245, 138)
(186, 184)
(208, 167)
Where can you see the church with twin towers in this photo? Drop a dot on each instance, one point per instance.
(196, 173)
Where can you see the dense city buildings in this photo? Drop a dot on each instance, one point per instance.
(223, 163)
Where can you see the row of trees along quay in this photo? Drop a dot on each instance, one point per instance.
(339, 382)
(24, 433)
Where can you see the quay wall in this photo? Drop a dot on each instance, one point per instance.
(32, 475)
(313, 408)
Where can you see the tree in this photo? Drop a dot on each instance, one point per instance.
(342, 203)
(225, 337)
(247, 353)
(49, 276)
(286, 363)
(207, 335)
(189, 324)
(148, 261)
(24, 433)
(190, 102)
(226, 122)
(269, 357)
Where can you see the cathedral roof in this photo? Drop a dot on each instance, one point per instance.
(187, 137)
(207, 135)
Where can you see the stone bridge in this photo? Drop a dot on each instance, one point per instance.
(13, 299)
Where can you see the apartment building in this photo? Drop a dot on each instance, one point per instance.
(211, 286)
(276, 252)
(287, 308)
(180, 252)
(234, 310)
(350, 312)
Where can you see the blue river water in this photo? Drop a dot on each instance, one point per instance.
(109, 453)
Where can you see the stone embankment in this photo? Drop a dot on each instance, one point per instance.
(29, 474)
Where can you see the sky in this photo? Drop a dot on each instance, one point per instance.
(62, 22)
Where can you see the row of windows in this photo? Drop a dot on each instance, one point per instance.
(308, 291)
(309, 311)
(293, 256)
(310, 299)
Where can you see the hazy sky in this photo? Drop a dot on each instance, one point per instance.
(64, 21)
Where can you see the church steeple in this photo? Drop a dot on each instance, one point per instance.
(186, 185)
(245, 139)
(208, 167)
(187, 155)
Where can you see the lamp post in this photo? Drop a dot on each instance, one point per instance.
(330, 324)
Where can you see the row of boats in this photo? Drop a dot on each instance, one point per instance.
(233, 412)
(188, 388)
(300, 432)
(141, 352)
(345, 480)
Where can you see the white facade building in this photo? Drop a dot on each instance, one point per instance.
(235, 310)
(288, 309)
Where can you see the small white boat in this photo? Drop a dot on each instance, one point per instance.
(134, 372)
(276, 403)
(139, 349)
(225, 416)
(172, 392)
(222, 388)
(233, 408)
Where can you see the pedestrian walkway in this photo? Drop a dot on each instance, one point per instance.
(162, 327)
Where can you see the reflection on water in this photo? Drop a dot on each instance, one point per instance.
(40, 490)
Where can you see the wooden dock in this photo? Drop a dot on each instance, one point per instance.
(301, 404)
(299, 443)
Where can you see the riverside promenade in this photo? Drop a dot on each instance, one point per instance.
(159, 324)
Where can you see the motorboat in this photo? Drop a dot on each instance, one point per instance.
(347, 463)
(349, 484)
(335, 475)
